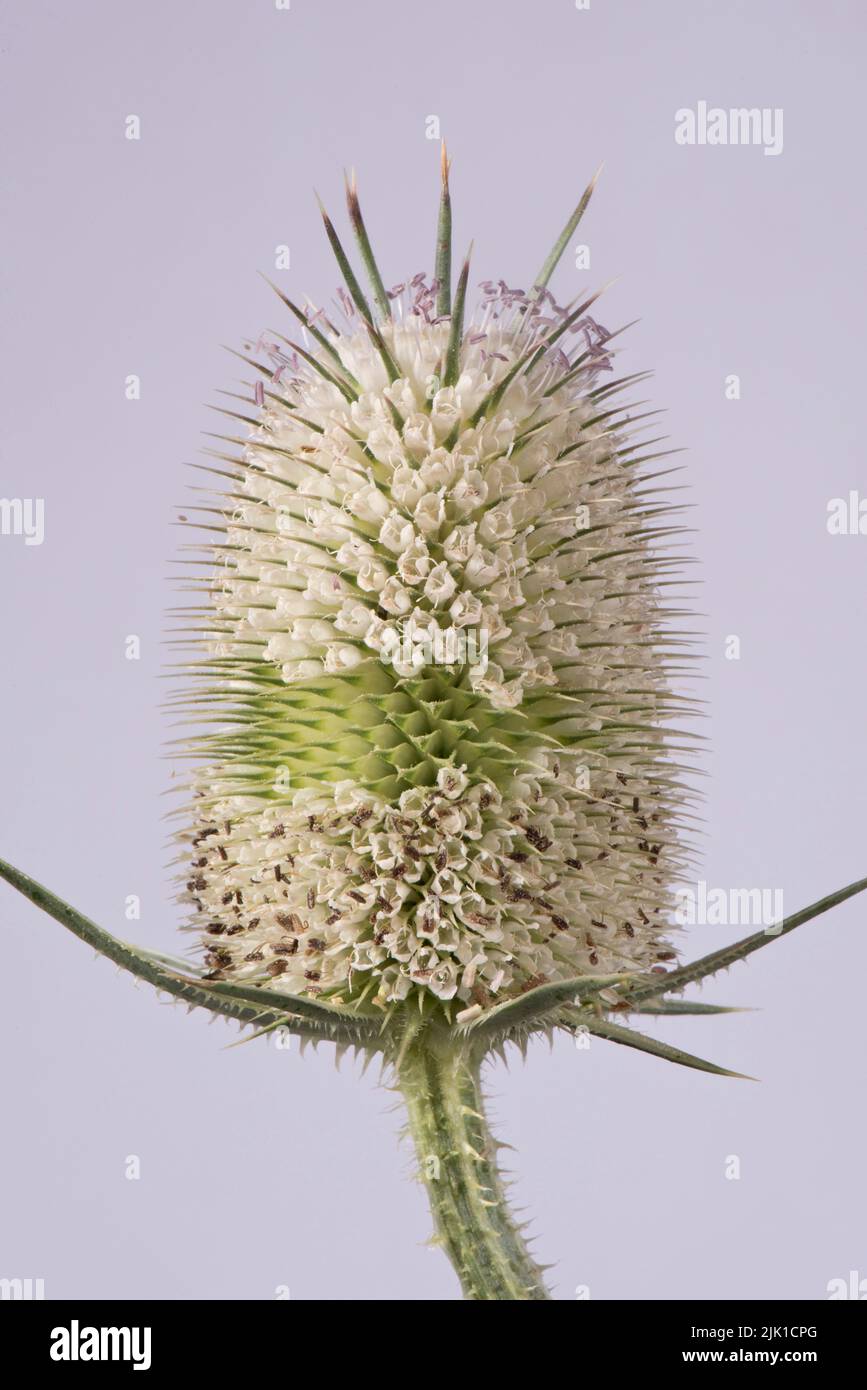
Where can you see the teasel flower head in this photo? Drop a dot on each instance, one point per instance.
(435, 637)
(439, 797)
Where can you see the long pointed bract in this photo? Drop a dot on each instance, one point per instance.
(356, 293)
(739, 950)
(310, 327)
(358, 298)
(533, 1006)
(613, 1032)
(443, 259)
(365, 249)
(550, 263)
(456, 331)
(245, 1006)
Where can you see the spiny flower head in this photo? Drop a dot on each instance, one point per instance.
(434, 660)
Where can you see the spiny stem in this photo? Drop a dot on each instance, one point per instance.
(456, 1152)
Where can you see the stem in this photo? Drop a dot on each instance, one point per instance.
(456, 1151)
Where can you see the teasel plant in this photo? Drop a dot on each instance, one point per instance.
(439, 800)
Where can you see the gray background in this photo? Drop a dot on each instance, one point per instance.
(258, 1168)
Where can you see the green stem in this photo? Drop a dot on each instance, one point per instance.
(456, 1152)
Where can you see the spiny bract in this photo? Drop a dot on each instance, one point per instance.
(435, 661)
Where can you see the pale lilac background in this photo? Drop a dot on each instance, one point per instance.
(260, 1169)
